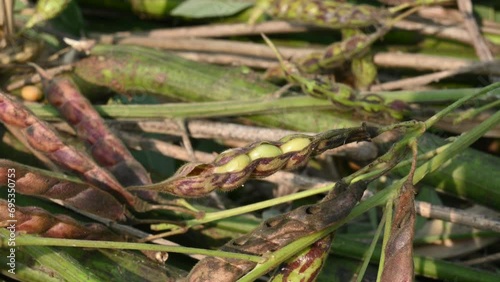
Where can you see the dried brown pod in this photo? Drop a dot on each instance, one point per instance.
(42, 138)
(35, 220)
(107, 149)
(35, 182)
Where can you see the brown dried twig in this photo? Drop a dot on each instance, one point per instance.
(429, 62)
(413, 82)
(454, 215)
(214, 45)
(213, 30)
(35, 78)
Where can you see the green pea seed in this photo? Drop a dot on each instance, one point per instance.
(238, 163)
(296, 144)
(264, 151)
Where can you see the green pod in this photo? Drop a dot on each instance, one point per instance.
(156, 9)
(46, 10)
(309, 63)
(364, 71)
(129, 69)
(340, 92)
(338, 53)
(329, 14)
(306, 265)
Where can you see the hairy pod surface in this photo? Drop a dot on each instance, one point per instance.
(329, 14)
(261, 159)
(127, 69)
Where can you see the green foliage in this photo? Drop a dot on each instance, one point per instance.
(210, 8)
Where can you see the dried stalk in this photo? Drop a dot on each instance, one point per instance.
(454, 215)
(413, 82)
(213, 30)
(213, 45)
(430, 62)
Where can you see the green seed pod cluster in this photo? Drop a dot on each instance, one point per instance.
(330, 14)
(233, 167)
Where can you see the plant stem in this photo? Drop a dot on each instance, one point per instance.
(27, 240)
(199, 110)
(432, 120)
(253, 106)
(369, 252)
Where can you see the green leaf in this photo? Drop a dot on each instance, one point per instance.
(210, 8)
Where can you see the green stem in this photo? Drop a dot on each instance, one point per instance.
(456, 147)
(426, 96)
(211, 109)
(475, 111)
(27, 240)
(471, 235)
(369, 252)
(213, 216)
(199, 110)
(432, 120)
(387, 234)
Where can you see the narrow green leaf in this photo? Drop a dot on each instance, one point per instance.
(210, 8)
